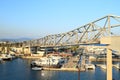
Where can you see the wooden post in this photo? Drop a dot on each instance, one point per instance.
(78, 73)
(109, 64)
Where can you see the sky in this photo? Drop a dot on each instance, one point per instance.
(38, 18)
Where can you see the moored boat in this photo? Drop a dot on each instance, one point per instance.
(103, 67)
(48, 62)
(37, 68)
(117, 66)
(90, 67)
(6, 57)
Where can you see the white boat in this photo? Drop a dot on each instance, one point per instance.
(103, 67)
(6, 57)
(52, 61)
(36, 68)
(90, 66)
(117, 66)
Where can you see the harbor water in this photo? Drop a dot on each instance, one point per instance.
(19, 69)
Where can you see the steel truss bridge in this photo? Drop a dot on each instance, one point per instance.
(87, 34)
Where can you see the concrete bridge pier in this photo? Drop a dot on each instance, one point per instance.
(109, 64)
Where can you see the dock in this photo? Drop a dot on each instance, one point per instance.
(63, 69)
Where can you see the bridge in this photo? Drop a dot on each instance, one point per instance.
(90, 33)
(87, 34)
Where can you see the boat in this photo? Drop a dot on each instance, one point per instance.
(90, 66)
(37, 68)
(6, 57)
(48, 62)
(103, 67)
(117, 66)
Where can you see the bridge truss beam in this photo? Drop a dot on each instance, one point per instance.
(88, 33)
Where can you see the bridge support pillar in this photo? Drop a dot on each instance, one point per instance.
(109, 64)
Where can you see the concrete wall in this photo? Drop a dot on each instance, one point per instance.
(114, 42)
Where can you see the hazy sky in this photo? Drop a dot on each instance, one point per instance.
(37, 18)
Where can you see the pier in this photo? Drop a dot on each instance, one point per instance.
(63, 69)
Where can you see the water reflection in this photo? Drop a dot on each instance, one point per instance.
(47, 74)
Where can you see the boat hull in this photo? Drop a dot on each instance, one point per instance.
(46, 65)
(36, 68)
(6, 59)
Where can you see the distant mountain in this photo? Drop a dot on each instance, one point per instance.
(15, 39)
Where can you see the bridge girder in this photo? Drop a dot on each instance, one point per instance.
(86, 34)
